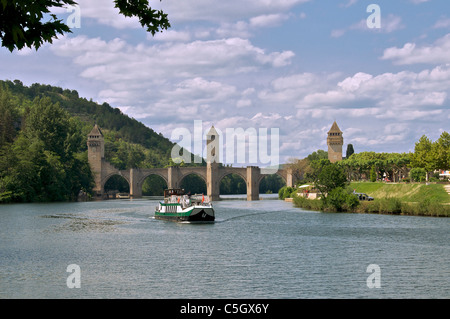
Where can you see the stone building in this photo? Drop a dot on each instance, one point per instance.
(335, 141)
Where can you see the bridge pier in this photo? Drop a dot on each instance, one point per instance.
(135, 188)
(173, 177)
(212, 183)
(253, 176)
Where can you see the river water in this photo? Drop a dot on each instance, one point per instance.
(260, 249)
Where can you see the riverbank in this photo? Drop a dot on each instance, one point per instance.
(398, 199)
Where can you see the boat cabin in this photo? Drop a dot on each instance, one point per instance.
(173, 192)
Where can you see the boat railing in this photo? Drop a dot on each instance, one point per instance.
(186, 201)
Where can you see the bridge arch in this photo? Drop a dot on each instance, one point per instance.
(153, 185)
(193, 182)
(222, 187)
(118, 173)
(151, 173)
(114, 184)
(185, 174)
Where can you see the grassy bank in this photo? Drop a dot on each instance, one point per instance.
(399, 199)
(410, 193)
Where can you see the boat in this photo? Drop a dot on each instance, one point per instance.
(180, 207)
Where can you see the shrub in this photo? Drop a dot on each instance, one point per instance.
(336, 198)
(285, 192)
(418, 174)
(311, 204)
(341, 200)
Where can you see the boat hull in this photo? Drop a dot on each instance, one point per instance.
(194, 215)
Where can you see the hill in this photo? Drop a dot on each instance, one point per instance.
(121, 132)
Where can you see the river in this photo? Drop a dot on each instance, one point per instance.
(259, 249)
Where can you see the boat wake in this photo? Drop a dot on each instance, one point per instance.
(244, 216)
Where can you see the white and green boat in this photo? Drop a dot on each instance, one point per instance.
(179, 207)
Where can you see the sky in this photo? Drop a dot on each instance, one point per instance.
(291, 65)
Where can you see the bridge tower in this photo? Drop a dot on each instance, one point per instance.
(335, 142)
(96, 155)
(212, 164)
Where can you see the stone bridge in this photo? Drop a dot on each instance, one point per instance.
(212, 174)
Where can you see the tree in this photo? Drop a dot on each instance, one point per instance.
(330, 177)
(441, 152)
(44, 162)
(418, 174)
(7, 117)
(21, 22)
(373, 174)
(423, 156)
(340, 198)
(350, 151)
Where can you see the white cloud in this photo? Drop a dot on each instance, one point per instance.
(171, 35)
(225, 11)
(410, 53)
(268, 20)
(389, 24)
(115, 60)
(443, 23)
(104, 12)
(349, 3)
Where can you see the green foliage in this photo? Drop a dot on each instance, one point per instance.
(21, 22)
(418, 174)
(350, 151)
(330, 177)
(271, 184)
(286, 192)
(404, 192)
(194, 184)
(373, 174)
(153, 20)
(153, 185)
(117, 183)
(341, 200)
(432, 155)
(368, 164)
(45, 161)
(8, 116)
(128, 143)
(233, 184)
(310, 204)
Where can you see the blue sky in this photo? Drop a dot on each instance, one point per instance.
(296, 65)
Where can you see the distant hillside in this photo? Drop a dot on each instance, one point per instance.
(89, 112)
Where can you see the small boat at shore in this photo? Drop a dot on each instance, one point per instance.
(179, 207)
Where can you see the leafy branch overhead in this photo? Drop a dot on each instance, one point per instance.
(30, 23)
(154, 20)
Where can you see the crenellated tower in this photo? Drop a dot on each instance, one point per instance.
(96, 154)
(212, 163)
(335, 141)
